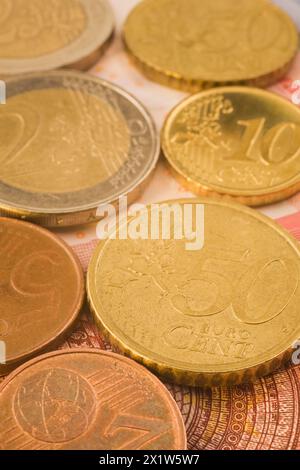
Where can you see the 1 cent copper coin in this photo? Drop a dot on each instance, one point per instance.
(87, 399)
(41, 291)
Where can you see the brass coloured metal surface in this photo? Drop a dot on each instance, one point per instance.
(192, 44)
(235, 141)
(224, 314)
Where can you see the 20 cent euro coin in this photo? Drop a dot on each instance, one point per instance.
(192, 44)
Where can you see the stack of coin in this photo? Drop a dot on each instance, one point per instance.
(222, 313)
(71, 144)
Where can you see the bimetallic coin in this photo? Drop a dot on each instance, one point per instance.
(87, 399)
(235, 141)
(70, 143)
(37, 36)
(41, 291)
(192, 44)
(223, 314)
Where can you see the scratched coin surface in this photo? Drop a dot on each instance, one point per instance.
(69, 143)
(192, 44)
(87, 399)
(38, 36)
(239, 142)
(223, 314)
(41, 290)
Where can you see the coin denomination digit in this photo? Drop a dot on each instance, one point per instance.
(276, 146)
(251, 139)
(21, 274)
(280, 143)
(265, 290)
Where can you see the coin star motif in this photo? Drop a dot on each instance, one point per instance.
(38, 36)
(87, 399)
(235, 141)
(41, 290)
(69, 144)
(224, 314)
(191, 44)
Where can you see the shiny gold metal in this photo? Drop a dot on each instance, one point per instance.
(37, 36)
(236, 142)
(224, 314)
(87, 400)
(41, 291)
(69, 143)
(192, 44)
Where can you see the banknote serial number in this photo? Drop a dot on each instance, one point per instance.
(150, 459)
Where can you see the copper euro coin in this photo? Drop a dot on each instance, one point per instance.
(41, 291)
(87, 400)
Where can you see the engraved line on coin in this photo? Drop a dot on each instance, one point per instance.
(58, 418)
(118, 418)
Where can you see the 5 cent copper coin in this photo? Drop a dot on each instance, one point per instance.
(87, 399)
(41, 291)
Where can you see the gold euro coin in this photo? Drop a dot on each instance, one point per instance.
(37, 36)
(221, 312)
(69, 144)
(237, 142)
(192, 44)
